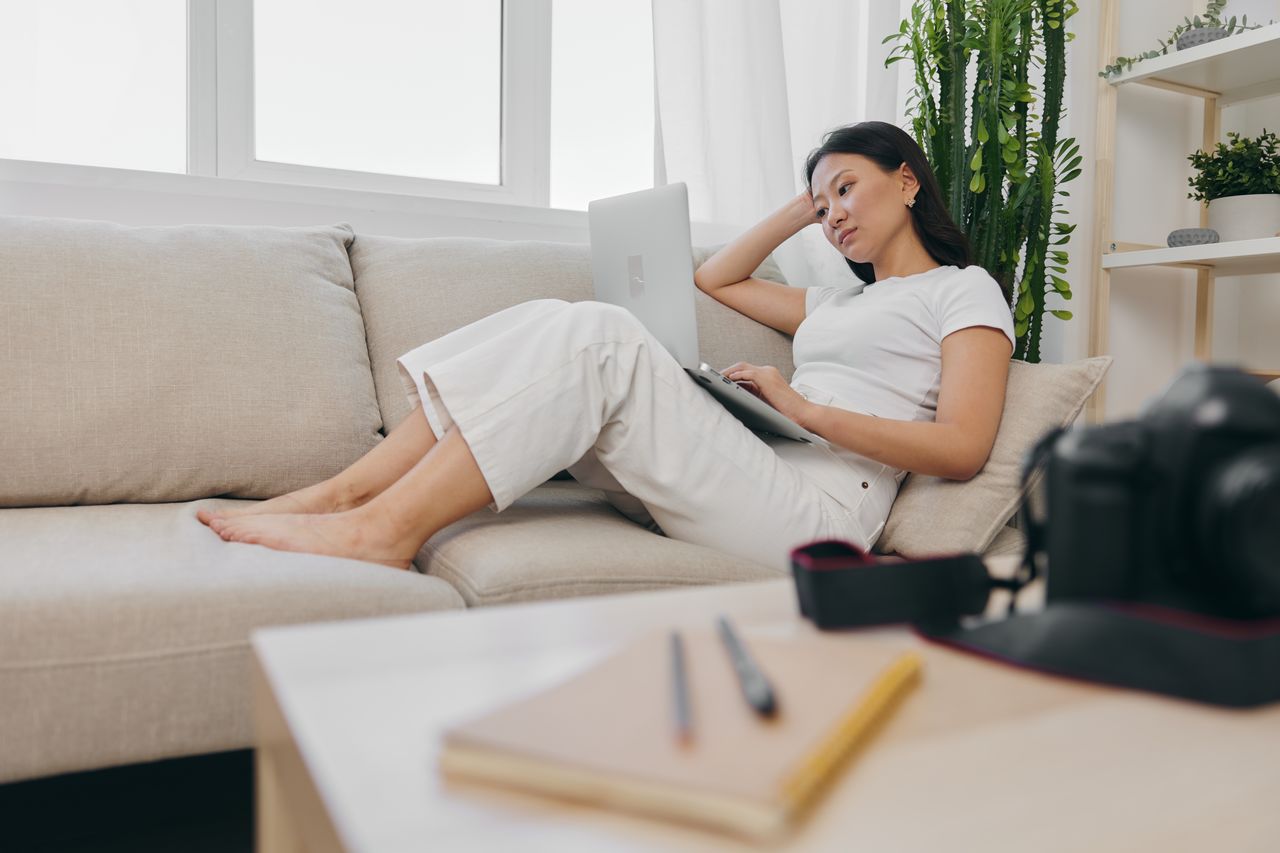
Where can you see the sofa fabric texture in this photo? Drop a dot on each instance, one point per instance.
(124, 629)
(170, 363)
(570, 542)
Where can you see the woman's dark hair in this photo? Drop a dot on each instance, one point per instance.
(889, 147)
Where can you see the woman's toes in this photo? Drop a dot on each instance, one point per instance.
(224, 528)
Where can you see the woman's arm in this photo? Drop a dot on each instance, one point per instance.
(725, 276)
(975, 367)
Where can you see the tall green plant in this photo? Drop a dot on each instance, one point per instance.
(1001, 165)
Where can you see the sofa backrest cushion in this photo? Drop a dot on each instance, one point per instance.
(932, 515)
(414, 290)
(150, 364)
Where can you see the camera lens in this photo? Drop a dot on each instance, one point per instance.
(1240, 530)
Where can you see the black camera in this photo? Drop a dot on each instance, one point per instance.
(1178, 508)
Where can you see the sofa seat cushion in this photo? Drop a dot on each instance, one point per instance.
(124, 630)
(562, 540)
(415, 290)
(153, 364)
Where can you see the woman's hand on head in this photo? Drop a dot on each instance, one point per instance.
(805, 212)
(767, 383)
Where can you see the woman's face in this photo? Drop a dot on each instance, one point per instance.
(858, 201)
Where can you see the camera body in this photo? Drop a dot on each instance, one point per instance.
(1179, 507)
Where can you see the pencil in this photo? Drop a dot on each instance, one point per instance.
(680, 688)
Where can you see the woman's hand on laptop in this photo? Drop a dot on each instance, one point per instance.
(767, 383)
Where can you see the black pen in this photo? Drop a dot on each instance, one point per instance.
(680, 688)
(754, 684)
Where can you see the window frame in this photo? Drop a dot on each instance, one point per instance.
(220, 112)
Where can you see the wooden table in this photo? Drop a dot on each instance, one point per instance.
(979, 757)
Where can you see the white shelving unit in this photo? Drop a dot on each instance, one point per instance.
(1239, 257)
(1228, 71)
(1234, 69)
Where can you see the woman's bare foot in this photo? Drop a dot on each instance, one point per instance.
(322, 497)
(356, 534)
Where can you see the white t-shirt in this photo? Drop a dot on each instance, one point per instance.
(877, 349)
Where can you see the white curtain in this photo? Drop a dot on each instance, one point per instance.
(746, 89)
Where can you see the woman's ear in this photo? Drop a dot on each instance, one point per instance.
(910, 184)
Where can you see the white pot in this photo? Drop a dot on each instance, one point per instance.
(1245, 217)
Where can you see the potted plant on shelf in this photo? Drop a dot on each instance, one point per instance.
(1240, 181)
(1193, 31)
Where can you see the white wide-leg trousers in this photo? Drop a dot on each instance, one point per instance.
(549, 385)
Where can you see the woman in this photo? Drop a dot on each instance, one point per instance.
(905, 372)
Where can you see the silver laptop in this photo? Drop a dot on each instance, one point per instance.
(642, 260)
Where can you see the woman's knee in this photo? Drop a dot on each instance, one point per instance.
(547, 302)
(607, 315)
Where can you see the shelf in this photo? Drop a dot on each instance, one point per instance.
(1237, 257)
(1237, 68)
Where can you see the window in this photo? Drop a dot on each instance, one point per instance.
(531, 102)
(94, 83)
(387, 86)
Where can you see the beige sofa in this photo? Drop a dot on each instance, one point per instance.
(148, 371)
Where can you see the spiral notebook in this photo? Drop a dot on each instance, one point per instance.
(607, 735)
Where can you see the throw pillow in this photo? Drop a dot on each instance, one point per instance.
(932, 515)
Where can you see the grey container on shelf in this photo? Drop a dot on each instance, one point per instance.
(1199, 36)
(1192, 237)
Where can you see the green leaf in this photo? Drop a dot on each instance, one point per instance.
(1061, 315)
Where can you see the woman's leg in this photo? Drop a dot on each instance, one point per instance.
(440, 488)
(363, 480)
(412, 438)
(589, 376)
(426, 478)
